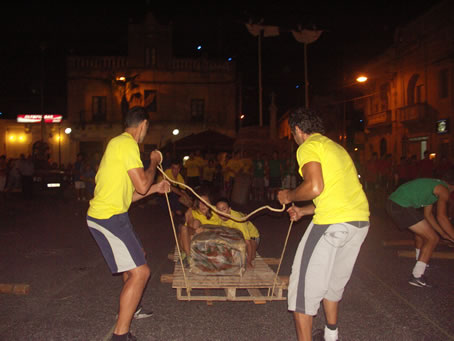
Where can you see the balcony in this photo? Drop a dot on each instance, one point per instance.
(415, 113)
(381, 118)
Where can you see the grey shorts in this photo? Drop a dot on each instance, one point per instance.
(323, 264)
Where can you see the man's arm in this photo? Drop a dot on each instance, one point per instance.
(143, 179)
(442, 216)
(161, 187)
(310, 188)
(296, 213)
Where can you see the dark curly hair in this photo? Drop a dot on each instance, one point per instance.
(308, 120)
(448, 176)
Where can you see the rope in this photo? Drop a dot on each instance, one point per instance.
(280, 260)
(186, 282)
(242, 219)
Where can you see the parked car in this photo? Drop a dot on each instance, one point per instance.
(54, 181)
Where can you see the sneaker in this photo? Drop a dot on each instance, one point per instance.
(129, 337)
(142, 314)
(186, 262)
(318, 335)
(419, 282)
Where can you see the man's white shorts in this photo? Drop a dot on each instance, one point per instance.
(79, 184)
(323, 264)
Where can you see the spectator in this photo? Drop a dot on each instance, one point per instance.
(258, 180)
(3, 172)
(79, 184)
(26, 170)
(426, 166)
(275, 174)
(412, 168)
(208, 172)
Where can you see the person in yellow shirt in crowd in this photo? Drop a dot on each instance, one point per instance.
(250, 233)
(200, 214)
(328, 250)
(248, 164)
(208, 172)
(193, 169)
(178, 197)
(120, 180)
(233, 167)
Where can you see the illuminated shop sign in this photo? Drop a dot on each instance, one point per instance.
(30, 118)
(442, 126)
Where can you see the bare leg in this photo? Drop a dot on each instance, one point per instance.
(303, 324)
(130, 296)
(249, 254)
(418, 242)
(185, 239)
(331, 311)
(253, 249)
(430, 239)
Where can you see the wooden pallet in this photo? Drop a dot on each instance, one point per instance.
(254, 285)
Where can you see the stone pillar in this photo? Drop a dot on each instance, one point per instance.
(273, 115)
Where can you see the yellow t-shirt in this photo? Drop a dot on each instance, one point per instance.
(247, 228)
(214, 220)
(248, 166)
(343, 198)
(179, 177)
(208, 173)
(232, 168)
(114, 188)
(193, 166)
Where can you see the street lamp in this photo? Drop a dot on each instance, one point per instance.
(361, 79)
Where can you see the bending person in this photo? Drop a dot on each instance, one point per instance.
(250, 233)
(411, 207)
(200, 214)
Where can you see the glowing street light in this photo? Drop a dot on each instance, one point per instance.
(361, 79)
(175, 132)
(68, 131)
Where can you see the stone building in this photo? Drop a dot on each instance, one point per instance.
(409, 98)
(191, 95)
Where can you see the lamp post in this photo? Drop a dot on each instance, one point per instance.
(360, 79)
(175, 132)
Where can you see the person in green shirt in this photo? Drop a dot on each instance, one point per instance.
(411, 207)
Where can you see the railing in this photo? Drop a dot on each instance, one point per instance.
(413, 113)
(115, 62)
(379, 118)
(109, 62)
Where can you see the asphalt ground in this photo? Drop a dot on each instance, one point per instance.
(73, 296)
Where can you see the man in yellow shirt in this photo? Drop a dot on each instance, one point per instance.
(121, 180)
(178, 198)
(193, 169)
(328, 250)
(250, 233)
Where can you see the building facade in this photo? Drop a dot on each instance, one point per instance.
(409, 98)
(191, 95)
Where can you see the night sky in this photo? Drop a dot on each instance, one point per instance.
(46, 32)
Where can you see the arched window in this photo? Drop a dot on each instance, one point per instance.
(411, 90)
(383, 147)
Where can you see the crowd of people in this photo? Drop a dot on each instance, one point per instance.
(265, 173)
(19, 174)
(382, 175)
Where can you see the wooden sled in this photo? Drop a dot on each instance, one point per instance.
(254, 285)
